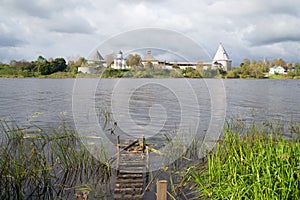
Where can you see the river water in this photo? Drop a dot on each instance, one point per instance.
(151, 107)
(46, 102)
(160, 109)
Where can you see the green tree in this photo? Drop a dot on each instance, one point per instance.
(232, 74)
(297, 69)
(73, 65)
(41, 59)
(190, 72)
(175, 66)
(210, 73)
(44, 68)
(133, 60)
(58, 65)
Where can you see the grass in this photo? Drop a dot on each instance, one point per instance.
(260, 164)
(40, 165)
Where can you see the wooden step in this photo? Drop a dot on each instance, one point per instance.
(130, 165)
(129, 185)
(131, 161)
(133, 176)
(127, 181)
(128, 197)
(127, 171)
(128, 190)
(122, 160)
(131, 171)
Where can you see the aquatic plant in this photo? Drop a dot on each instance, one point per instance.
(47, 165)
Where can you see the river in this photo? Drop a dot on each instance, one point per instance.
(146, 106)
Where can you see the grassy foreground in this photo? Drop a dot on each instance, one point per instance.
(260, 164)
(249, 162)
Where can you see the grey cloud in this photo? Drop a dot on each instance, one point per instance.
(274, 29)
(242, 26)
(42, 8)
(7, 40)
(72, 26)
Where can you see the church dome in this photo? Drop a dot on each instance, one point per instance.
(149, 56)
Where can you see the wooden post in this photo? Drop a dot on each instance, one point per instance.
(161, 188)
(118, 153)
(143, 143)
(147, 165)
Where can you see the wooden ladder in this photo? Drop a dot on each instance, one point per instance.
(132, 167)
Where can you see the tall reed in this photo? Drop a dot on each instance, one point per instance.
(47, 165)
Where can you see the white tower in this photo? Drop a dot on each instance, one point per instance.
(221, 59)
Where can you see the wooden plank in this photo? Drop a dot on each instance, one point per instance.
(118, 153)
(131, 171)
(128, 181)
(132, 185)
(128, 197)
(130, 145)
(143, 144)
(129, 190)
(128, 158)
(130, 175)
(131, 164)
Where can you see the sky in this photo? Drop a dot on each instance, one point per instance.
(256, 29)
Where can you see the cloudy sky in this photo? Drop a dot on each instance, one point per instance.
(255, 29)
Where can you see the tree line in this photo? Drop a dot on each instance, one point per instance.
(43, 67)
(259, 69)
(40, 67)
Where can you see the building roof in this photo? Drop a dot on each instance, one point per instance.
(149, 56)
(221, 54)
(277, 68)
(96, 56)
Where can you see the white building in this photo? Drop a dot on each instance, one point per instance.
(120, 61)
(88, 70)
(221, 59)
(277, 70)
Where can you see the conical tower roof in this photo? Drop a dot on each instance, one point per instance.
(221, 54)
(96, 56)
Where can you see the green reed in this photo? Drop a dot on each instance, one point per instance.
(261, 163)
(40, 165)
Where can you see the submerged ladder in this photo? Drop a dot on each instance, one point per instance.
(132, 163)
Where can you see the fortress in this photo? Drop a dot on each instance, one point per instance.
(221, 60)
